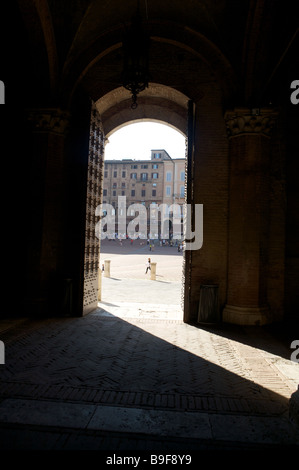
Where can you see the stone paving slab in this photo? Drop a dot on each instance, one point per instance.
(45, 413)
(141, 310)
(164, 424)
(138, 366)
(167, 401)
(77, 357)
(132, 291)
(35, 438)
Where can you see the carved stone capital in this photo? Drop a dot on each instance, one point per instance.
(52, 120)
(250, 121)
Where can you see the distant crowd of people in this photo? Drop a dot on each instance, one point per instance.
(151, 243)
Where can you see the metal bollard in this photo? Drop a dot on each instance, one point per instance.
(99, 285)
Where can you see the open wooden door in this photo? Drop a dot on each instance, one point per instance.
(189, 190)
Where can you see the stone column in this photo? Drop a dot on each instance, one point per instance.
(107, 268)
(153, 271)
(45, 214)
(249, 135)
(99, 285)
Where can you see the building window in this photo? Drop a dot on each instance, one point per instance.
(114, 185)
(154, 185)
(154, 192)
(123, 185)
(133, 176)
(157, 155)
(182, 176)
(123, 193)
(168, 190)
(168, 176)
(113, 193)
(134, 166)
(155, 166)
(144, 166)
(115, 174)
(144, 176)
(123, 174)
(182, 191)
(104, 192)
(105, 174)
(143, 193)
(133, 192)
(155, 176)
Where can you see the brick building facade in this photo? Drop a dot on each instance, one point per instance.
(159, 180)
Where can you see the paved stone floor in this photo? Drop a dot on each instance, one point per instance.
(128, 261)
(132, 377)
(135, 377)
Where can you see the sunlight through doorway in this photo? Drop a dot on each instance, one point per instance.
(145, 163)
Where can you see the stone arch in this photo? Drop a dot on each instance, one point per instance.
(158, 103)
(112, 111)
(197, 70)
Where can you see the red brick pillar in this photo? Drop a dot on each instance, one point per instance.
(249, 186)
(46, 187)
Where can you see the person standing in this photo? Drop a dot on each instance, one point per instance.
(148, 265)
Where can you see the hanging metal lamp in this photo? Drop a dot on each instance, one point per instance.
(135, 76)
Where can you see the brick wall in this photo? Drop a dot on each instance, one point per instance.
(209, 264)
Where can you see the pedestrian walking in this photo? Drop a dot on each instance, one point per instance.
(148, 265)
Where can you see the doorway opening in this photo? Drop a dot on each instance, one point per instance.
(141, 261)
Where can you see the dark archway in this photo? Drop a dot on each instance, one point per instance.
(158, 102)
(74, 56)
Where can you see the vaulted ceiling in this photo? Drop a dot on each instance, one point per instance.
(239, 46)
